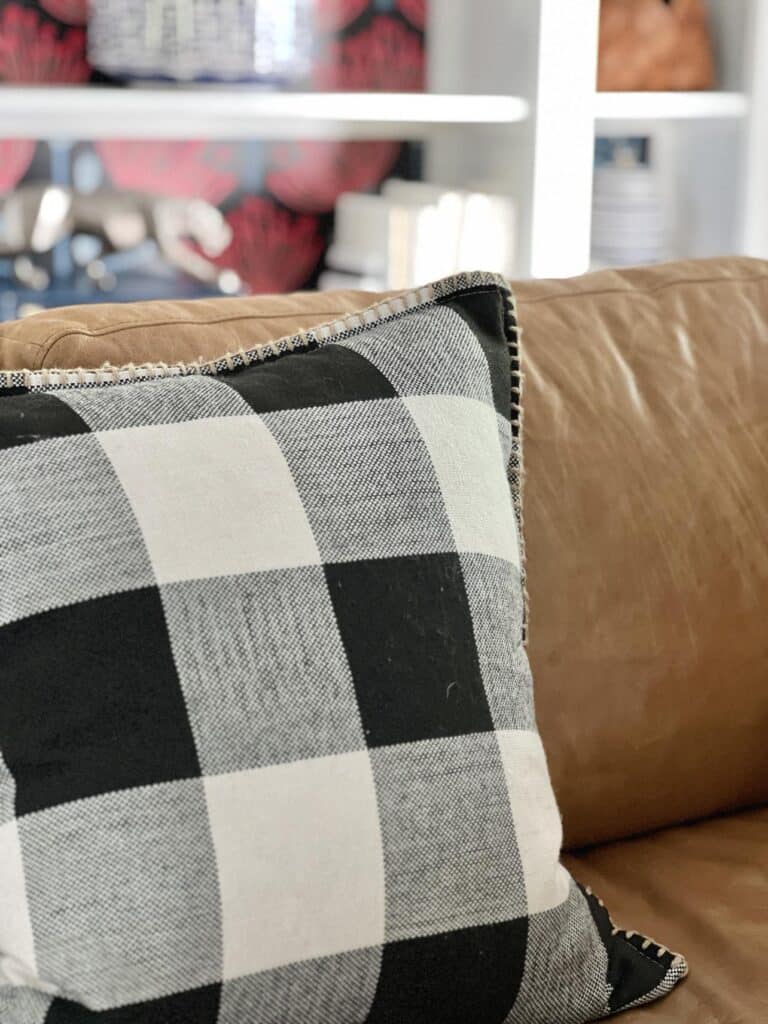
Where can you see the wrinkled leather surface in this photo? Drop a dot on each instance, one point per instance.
(646, 433)
(703, 890)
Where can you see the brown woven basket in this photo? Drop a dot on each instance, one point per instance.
(654, 45)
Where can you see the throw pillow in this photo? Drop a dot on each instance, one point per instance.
(267, 746)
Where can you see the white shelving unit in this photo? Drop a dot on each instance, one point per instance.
(711, 147)
(239, 113)
(512, 106)
(667, 106)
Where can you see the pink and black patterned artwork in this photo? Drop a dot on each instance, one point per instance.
(277, 198)
(415, 11)
(385, 54)
(194, 169)
(311, 175)
(38, 45)
(272, 249)
(334, 15)
(15, 158)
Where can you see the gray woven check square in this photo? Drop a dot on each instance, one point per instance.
(262, 648)
(450, 852)
(366, 480)
(496, 605)
(331, 988)
(83, 540)
(566, 967)
(117, 934)
(506, 440)
(145, 403)
(407, 354)
(7, 794)
(23, 1005)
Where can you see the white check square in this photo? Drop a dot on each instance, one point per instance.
(213, 497)
(538, 829)
(300, 861)
(18, 968)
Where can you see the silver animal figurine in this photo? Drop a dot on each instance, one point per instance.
(35, 218)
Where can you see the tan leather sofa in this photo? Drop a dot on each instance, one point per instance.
(646, 433)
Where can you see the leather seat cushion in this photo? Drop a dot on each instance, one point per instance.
(703, 890)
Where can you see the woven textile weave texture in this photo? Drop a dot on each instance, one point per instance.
(267, 745)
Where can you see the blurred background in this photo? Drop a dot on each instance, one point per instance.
(175, 148)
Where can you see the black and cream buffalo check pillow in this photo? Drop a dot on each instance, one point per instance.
(268, 749)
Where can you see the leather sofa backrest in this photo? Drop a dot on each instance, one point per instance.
(646, 512)
(164, 331)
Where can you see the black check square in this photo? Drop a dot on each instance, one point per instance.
(41, 417)
(414, 664)
(321, 377)
(200, 1006)
(464, 975)
(105, 713)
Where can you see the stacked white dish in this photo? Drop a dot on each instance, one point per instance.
(628, 221)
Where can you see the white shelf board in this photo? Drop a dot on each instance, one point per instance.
(83, 112)
(652, 106)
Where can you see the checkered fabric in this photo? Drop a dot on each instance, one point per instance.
(267, 743)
